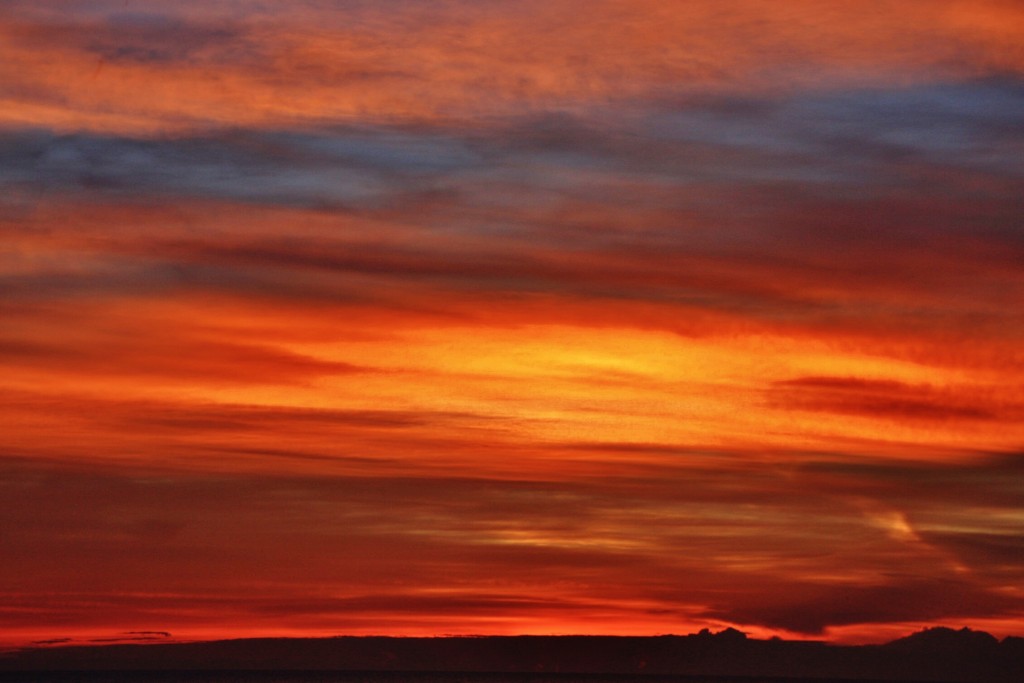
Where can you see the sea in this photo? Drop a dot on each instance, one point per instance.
(380, 677)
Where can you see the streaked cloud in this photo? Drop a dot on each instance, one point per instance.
(679, 537)
(620, 317)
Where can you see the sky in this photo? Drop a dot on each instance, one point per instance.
(634, 317)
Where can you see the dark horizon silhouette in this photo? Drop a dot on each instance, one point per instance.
(460, 317)
(934, 654)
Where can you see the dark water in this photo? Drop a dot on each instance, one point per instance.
(375, 677)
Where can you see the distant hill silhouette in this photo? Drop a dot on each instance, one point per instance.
(941, 638)
(936, 654)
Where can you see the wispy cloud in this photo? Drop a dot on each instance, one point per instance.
(693, 535)
(521, 316)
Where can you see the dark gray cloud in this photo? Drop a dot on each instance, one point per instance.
(971, 125)
(850, 144)
(150, 38)
(811, 609)
(886, 399)
(990, 553)
(994, 479)
(163, 39)
(349, 168)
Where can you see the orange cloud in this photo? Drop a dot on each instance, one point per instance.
(456, 60)
(623, 317)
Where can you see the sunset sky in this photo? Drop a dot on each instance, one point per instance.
(510, 317)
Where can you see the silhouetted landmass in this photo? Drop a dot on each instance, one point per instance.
(937, 654)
